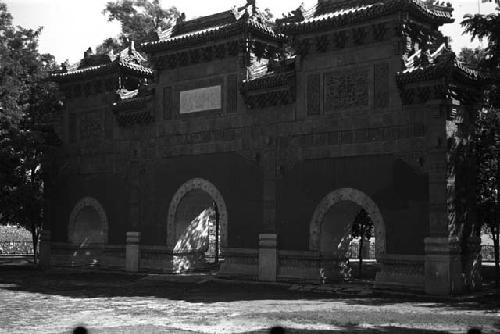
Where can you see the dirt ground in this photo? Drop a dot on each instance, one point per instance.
(32, 301)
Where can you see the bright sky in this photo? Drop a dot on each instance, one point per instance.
(71, 26)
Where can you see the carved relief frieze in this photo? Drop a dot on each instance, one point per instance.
(232, 93)
(379, 31)
(346, 89)
(361, 135)
(381, 85)
(313, 94)
(359, 35)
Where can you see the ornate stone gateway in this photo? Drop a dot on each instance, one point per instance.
(291, 120)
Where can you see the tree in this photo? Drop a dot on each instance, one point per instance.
(472, 57)
(487, 136)
(139, 19)
(28, 102)
(362, 228)
(488, 27)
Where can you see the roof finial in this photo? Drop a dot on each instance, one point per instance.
(87, 53)
(131, 47)
(251, 3)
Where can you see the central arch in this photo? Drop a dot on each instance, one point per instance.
(353, 195)
(189, 186)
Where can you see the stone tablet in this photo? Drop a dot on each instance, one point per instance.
(201, 99)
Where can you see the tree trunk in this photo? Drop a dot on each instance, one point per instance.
(34, 237)
(360, 255)
(495, 232)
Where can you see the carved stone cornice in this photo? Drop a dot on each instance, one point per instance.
(270, 90)
(137, 110)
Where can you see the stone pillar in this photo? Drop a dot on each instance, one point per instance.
(133, 251)
(268, 257)
(443, 266)
(45, 253)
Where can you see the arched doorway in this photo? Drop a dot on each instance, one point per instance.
(197, 226)
(88, 231)
(331, 226)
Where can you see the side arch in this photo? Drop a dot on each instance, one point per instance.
(358, 197)
(208, 187)
(81, 204)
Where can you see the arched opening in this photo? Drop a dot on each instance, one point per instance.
(88, 223)
(196, 227)
(331, 234)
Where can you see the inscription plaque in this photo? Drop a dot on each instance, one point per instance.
(201, 99)
(346, 89)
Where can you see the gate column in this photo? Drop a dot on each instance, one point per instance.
(268, 257)
(133, 252)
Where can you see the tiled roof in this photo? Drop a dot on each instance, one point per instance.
(209, 28)
(331, 14)
(117, 65)
(427, 66)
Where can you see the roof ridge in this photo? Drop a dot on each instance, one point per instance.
(203, 22)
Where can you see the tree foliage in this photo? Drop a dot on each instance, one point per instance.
(28, 102)
(139, 19)
(488, 27)
(487, 135)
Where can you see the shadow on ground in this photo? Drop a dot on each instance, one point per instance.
(108, 284)
(356, 330)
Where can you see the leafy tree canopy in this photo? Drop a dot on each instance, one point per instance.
(28, 103)
(487, 27)
(139, 19)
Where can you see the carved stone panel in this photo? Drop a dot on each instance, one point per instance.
(232, 93)
(168, 103)
(381, 85)
(108, 124)
(72, 128)
(91, 125)
(346, 89)
(313, 94)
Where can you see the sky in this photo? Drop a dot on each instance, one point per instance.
(71, 26)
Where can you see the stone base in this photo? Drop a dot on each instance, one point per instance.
(268, 257)
(240, 262)
(89, 256)
(443, 267)
(299, 266)
(157, 259)
(400, 272)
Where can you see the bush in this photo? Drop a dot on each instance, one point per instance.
(15, 241)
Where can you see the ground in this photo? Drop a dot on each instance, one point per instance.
(53, 302)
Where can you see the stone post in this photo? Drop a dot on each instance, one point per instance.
(45, 252)
(268, 257)
(133, 251)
